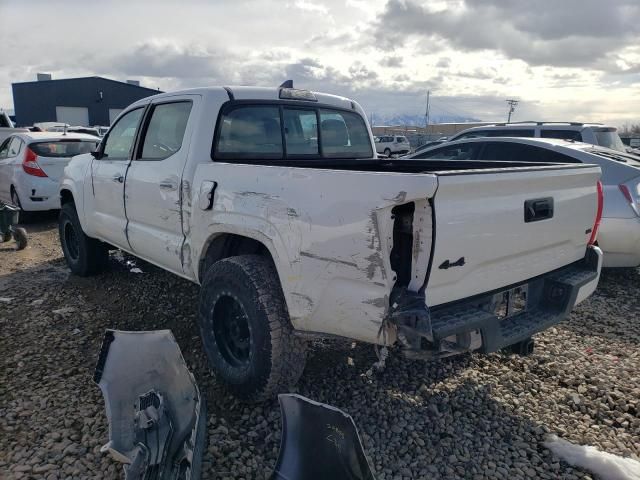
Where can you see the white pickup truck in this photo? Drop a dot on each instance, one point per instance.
(273, 200)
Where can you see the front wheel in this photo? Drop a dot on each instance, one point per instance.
(84, 255)
(246, 331)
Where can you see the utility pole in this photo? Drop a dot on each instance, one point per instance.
(426, 114)
(512, 106)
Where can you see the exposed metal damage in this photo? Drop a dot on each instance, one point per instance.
(156, 415)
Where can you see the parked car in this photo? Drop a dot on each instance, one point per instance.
(88, 130)
(31, 165)
(593, 133)
(392, 144)
(273, 200)
(619, 235)
(7, 128)
(428, 145)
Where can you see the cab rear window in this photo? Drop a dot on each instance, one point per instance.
(290, 132)
(63, 149)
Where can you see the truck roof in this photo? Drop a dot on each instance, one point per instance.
(254, 93)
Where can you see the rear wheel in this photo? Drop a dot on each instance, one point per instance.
(246, 330)
(84, 255)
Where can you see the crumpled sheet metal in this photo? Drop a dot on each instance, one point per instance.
(319, 442)
(157, 418)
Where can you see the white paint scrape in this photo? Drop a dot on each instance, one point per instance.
(605, 465)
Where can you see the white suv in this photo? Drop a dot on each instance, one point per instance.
(593, 133)
(392, 144)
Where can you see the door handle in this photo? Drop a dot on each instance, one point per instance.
(118, 178)
(168, 185)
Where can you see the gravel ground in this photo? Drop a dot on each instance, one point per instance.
(468, 417)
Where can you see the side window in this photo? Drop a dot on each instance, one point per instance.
(344, 135)
(301, 131)
(506, 152)
(165, 130)
(518, 152)
(122, 136)
(515, 132)
(14, 147)
(4, 148)
(555, 157)
(563, 134)
(474, 134)
(250, 132)
(460, 151)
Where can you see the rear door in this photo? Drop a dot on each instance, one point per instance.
(153, 188)
(108, 216)
(485, 238)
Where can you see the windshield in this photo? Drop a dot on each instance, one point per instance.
(609, 138)
(63, 149)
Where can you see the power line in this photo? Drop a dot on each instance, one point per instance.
(512, 106)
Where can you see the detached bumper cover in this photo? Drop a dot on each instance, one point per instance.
(156, 415)
(551, 298)
(318, 442)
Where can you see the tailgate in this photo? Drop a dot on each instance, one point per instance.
(500, 227)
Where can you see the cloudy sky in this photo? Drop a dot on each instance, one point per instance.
(564, 60)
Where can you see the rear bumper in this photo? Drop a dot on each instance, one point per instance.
(37, 193)
(619, 239)
(551, 297)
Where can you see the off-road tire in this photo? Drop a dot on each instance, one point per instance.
(85, 256)
(276, 357)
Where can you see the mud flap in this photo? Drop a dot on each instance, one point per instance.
(157, 418)
(318, 442)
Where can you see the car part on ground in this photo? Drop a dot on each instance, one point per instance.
(162, 436)
(319, 442)
(8, 229)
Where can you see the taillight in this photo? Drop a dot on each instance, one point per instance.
(635, 205)
(30, 164)
(596, 224)
(627, 194)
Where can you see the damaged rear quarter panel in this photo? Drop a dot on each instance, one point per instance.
(329, 233)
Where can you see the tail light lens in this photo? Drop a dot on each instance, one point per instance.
(30, 164)
(596, 224)
(632, 195)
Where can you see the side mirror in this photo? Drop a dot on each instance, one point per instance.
(98, 153)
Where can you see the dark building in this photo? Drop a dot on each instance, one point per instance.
(83, 101)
